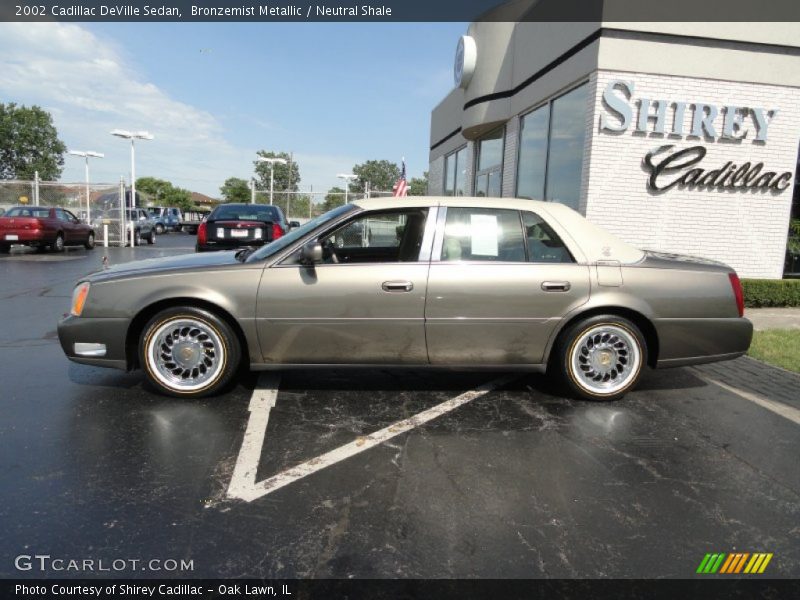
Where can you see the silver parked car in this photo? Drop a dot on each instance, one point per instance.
(424, 282)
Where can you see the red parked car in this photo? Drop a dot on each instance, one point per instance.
(43, 227)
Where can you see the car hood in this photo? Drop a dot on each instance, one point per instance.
(183, 262)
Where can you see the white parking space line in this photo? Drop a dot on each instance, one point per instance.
(779, 408)
(243, 483)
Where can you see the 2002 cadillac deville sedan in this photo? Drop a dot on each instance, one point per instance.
(441, 282)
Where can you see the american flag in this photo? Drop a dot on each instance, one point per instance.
(401, 187)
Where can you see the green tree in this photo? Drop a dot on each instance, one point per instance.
(334, 198)
(235, 190)
(163, 193)
(287, 176)
(28, 143)
(380, 174)
(418, 186)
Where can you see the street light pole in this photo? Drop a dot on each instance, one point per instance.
(132, 135)
(86, 155)
(347, 177)
(271, 161)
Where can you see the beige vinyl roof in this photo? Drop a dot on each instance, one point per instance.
(595, 243)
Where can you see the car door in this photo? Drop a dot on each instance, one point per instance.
(67, 225)
(79, 230)
(364, 304)
(500, 282)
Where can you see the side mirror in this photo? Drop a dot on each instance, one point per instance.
(311, 253)
(293, 224)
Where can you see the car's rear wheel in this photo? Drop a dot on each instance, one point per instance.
(58, 243)
(137, 238)
(602, 357)
(89, 245)
(189, 352)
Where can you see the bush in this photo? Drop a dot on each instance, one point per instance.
(760, 293)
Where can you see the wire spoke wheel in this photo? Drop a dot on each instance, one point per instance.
(185, 354)
(605, 359)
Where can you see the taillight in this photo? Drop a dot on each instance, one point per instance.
(737, 292)
(202, 236)
(277, 231)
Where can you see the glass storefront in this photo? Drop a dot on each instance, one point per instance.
(551, 149)
(792, 266)
(455, 173)
(489, 165)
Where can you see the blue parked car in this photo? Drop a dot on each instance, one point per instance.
(165, 218)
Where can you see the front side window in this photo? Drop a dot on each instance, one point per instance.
(377, 237)
(489, 164)
(482, 234)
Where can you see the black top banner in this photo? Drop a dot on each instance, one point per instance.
(400, 10)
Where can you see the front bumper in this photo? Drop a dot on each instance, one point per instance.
(91, 334)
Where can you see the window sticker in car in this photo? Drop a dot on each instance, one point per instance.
(483, 231)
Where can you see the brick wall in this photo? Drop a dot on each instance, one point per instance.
(745, 229)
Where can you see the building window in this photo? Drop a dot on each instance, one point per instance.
(489, 165)
(792, 266)
(455, 173)
(551, 149)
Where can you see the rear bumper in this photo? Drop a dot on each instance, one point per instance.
(212, 245)
(93, 336)
(28, 237)
(696, 341)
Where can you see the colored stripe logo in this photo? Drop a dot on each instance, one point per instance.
(734, 563)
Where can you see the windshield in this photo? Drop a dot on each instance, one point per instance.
(295, 234)
(244, 213)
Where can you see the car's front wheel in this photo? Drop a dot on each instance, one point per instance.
(602, 357)
(189, 352)
(151, 238)
(159, 228)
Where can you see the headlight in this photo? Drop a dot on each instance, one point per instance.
(79, 295)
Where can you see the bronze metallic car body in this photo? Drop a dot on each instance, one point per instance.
(436, 310)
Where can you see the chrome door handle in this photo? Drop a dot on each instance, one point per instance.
(556, 286)
(397, 286)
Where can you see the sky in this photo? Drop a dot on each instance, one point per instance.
(214, 94)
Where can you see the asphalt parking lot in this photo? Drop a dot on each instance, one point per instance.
(371, 474)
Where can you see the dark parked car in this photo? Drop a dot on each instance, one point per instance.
(431, 282)
(43, 227)
(232, 226)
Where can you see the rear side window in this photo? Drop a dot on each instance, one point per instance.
(544, 245)
(483, 234)
(39, 213)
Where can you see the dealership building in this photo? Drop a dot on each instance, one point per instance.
(678, 137)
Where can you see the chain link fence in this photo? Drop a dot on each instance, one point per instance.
(104, 210)
(305, 204)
